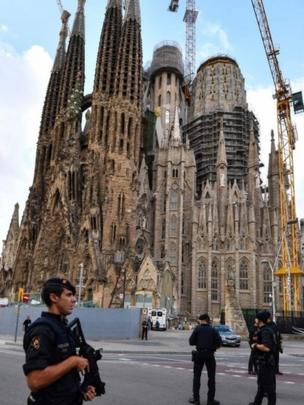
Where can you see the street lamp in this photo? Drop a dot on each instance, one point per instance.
(80, 284)
(119, 258)
(273, 285)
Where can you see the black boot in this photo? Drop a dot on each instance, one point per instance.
(194, 401)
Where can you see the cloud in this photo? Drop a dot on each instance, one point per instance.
(3, 28)
(23, 81)
(217, 40)
(261, 102)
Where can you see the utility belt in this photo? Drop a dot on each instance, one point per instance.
(40, 399)
(265, 360)
(201, 354)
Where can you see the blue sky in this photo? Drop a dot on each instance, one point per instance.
(28, 40)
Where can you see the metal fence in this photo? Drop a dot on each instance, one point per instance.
(286, 321)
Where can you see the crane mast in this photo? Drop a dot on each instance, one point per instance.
(289, 270)
(190, 47)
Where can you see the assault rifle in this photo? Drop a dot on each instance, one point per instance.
(91, 376)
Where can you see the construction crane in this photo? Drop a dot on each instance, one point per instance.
(61, 10)
(190, 49)
(290, 270)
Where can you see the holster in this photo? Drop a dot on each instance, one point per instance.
(194, 355)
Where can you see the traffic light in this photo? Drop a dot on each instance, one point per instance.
(20, 294)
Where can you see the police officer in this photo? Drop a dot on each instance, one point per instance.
(253, 337)
(144, 330)
(264, 348)
(207, 340)
(52, 366)
(278, 342)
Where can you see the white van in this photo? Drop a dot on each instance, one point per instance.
(158, 317)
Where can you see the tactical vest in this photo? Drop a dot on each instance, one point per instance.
(67, 387)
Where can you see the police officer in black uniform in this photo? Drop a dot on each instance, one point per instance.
(278, 342)
(52, 366)
(265, 362)
(207, 340)
(253, 337)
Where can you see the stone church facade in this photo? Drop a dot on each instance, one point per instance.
(156, 194)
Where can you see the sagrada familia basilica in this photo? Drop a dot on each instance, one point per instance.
(147, 191)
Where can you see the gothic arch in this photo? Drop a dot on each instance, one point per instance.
(244, 273)
(215, 279)
(202, 273)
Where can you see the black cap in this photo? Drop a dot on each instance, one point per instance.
(268, 314)
(59, 282)
(204, 317)
(262, 316)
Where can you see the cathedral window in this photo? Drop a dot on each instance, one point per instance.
(173, 200)
(94, 223)
(202, 274)
(115, 121)
(129, 127)
(168, 79)
(107, 128)
(244, 274)
(159, 82)
(121, 144)
(121, 205)
(163, 233)
(173, 225)
(168, 97)
(165, 203)
(267, 283)
(159, 100)
(101, 117)
(113, 232)
(122, 124)
(183, 283)
(49, 155)
(162, 251)
(214, 281)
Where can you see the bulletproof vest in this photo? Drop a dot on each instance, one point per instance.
(64, 347)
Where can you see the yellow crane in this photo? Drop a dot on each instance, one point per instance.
(290, 270)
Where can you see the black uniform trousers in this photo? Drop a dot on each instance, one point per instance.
(144, 333)
(266, 383)
(276, 355)
(202, 358)
(252, 362)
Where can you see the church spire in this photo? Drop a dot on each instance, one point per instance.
(75, 63)
(51, 102)
(108, 48)
(133, 11)
(176, 132)
(14, 225)
(221, 151)
(128, 83)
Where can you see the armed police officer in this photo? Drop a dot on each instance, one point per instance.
(277, 341)
(207, 340)
(264, 348)
(52, 366)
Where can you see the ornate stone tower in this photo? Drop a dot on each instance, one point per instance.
(166, 78)
(174, 188)
(8, 256)
(115, 144)
(219, 95)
